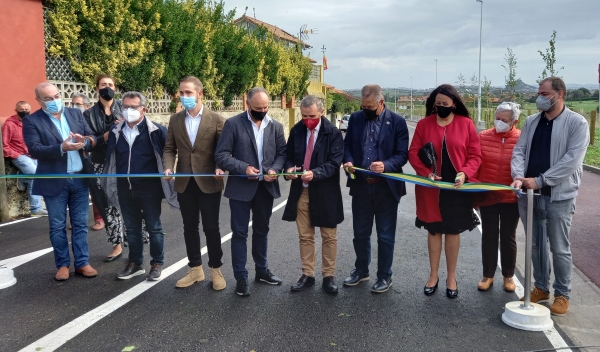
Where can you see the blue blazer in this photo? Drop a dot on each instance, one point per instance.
(236, 150)
(43, 141)
(392, 149)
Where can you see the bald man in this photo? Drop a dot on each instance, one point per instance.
(16, 151)
(57, 137)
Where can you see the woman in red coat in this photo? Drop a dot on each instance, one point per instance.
(499, 210)
(449, 131)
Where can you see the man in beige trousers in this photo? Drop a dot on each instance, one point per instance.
(191, 141)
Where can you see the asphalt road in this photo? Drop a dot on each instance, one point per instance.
(272, 319)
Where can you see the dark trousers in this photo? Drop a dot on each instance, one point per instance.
(374, 201)
(499, 220)
(194, 203)
(137, 205)
(262, 208)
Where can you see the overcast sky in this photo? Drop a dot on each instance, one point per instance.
(387, 41)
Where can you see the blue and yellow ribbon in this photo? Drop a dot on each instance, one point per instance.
(427, 182)
(157, 175)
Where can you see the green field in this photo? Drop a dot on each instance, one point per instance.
(584, 106)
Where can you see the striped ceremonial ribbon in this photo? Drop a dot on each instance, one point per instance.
(427, 182)
(46, 176)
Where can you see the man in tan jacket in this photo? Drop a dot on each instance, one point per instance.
(191, 141)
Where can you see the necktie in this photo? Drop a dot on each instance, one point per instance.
(309, 149)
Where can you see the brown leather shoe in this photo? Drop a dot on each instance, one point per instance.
(99, 225)
(509, 284)
(538, 296)
(62, 274)
(485, 283)
(560, 306)
(86, 271)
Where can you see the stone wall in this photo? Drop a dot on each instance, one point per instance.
(18, 202)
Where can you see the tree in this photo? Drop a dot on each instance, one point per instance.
(550, 59)
(486, 91)
(511, 70)
(461, 83)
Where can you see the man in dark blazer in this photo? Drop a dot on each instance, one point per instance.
(316, 146)
(377, 140)
(56, 136)
(191, 141)
(251, 144)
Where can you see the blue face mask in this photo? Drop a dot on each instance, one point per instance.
(54, 106)
(189, 103)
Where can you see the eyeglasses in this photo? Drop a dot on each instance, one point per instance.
(79, 104)
(49, 99)
(134, 107)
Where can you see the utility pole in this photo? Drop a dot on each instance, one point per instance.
(435, 73)
(411, 98)
(479, 92)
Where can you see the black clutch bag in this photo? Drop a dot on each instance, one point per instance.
(429, 157)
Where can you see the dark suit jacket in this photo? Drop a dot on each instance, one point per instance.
(392, 149)
(43, 141)
(324, 193)
(197, 158)
(236, 150)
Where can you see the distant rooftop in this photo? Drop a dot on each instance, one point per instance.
(276, 31)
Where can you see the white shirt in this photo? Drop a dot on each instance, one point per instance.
(314, 142)
(259, 134)
(131, 133)
(192, 124)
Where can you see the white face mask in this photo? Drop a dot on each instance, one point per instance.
(131, 115)
(501, 126)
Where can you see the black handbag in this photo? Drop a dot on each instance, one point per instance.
(429, 157)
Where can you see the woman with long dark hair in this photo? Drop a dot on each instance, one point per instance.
(445, 147)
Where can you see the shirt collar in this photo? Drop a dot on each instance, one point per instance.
(266, 119)
(136, 125)
(62, 113)
(187, 113)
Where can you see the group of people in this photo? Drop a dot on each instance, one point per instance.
(546, 155)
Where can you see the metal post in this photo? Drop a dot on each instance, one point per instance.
(396, 100)
(436, 73)
(528, 248)
(479, 94)
(411, 99)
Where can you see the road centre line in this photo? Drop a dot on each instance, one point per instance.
(62, 335)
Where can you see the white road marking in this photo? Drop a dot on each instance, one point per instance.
(25, 219)
(552, 334)
(62, 335)
(14, 262)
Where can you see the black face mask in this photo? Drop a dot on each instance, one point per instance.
(22, 114)
(444, 111)
(106, 93)
(371, 114)
(258, 115)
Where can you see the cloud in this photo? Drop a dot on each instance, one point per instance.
(388, 41)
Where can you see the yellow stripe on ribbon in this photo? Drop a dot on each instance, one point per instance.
(427, 182)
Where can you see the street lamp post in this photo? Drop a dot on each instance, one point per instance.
(436, 73)
(411, 102)
(479, 91)
(396, 100)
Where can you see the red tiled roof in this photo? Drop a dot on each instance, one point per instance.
(277, 32)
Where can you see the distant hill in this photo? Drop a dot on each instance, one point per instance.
(591, 87)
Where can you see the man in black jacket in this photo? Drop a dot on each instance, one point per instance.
(316, 146)
(135, 146)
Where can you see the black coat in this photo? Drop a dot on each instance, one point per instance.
(324, 193)
(96, 119)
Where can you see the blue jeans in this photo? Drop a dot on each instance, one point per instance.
(28, 166)
(75, 194)
(137, 205)
(262, 208)
(555, 218)
(374, 201)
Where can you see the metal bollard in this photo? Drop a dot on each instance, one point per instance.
(528, 249)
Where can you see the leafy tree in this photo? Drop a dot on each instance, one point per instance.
(486, 91)
(511, 69)
(461, 83)
(550, 59)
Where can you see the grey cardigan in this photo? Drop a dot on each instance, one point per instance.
(570, 138)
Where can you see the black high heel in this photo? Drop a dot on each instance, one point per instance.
(428, 291)
(451, 293)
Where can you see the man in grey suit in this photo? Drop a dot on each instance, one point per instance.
(251, 144)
